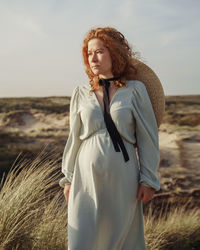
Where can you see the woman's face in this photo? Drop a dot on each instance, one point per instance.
(99, 58)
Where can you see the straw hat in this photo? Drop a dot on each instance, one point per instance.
(154, 89)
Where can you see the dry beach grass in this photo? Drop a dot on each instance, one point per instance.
(32, 216)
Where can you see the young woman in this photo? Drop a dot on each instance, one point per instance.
(111, 157)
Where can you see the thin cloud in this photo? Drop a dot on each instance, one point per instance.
(30, 25)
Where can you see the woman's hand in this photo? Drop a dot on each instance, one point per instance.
(145, 193)
(66, 191)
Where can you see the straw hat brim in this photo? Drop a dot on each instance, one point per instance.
(154, 88)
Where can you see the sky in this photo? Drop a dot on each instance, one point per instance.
(41, 40)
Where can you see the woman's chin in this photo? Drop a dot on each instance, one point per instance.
(96, 71)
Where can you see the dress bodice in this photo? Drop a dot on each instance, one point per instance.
(91, 114)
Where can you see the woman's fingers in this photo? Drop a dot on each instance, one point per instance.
(66, 194)
(146, 197)
(66, 191)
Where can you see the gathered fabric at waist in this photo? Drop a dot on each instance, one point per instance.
(104, 132)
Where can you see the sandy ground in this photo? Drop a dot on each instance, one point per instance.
(28, 122)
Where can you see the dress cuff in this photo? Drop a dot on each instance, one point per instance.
(64, 181)
(149, 183)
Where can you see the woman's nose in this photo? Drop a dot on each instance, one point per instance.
(94, 57)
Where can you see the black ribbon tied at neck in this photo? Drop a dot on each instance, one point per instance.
(110, 125)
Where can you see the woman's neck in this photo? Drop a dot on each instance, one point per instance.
(106, 76)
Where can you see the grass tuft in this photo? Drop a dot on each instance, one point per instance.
(175, 228)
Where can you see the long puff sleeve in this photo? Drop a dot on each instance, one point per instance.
(146, 136)
(73, 141)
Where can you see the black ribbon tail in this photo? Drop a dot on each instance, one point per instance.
(110, 125)
(115, 136)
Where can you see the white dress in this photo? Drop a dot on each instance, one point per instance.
(103, 212)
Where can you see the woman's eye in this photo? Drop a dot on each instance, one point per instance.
(97, 52)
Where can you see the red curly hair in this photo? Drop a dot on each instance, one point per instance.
(122, 55)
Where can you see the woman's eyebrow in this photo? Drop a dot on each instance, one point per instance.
(101, 48)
